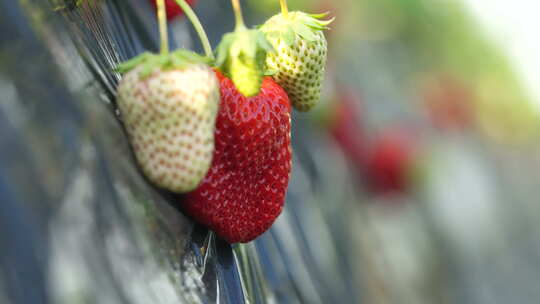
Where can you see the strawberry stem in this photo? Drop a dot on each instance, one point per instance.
(198, 27)
(238, 15)
(162, 20)
(284, 8)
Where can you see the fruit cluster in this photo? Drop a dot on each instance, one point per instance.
(218, 130)
(384, 163)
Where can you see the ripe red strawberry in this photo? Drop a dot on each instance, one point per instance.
(173, 9)
(346, 128)
(389, 164)
(244, 190)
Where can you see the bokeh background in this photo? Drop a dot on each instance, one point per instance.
(416, 180)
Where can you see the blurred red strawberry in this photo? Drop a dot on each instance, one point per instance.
(346, 127)
(173, 9)
(383, 163)
(388, 163)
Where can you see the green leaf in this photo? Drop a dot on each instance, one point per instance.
(248, 44)
(314, 22)
(289, 36)
(273, 35)
(304, 31)
(263, 43)
(176, 60)
(319, 16)
(147, 69)
(298, 24)
(149, 62)
(191, 57)
(326, 22)
(129, 65)
(223, 48)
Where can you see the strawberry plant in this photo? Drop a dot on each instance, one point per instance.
(220, 136)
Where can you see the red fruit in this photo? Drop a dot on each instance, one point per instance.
(244, 190)
(346, 129)
(388, 164)
(173, 9)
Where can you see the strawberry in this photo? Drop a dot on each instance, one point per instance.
(169, 104)
(389, 164)
(244, 190)
(173, 9)
(347, 129)
(300, 57)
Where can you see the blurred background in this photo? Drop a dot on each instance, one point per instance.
(416, 179)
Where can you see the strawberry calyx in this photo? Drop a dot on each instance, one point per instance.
(178, 59)
(241, 56)
(295, 24)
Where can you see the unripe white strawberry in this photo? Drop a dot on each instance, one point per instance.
(300, 55)
(169, 111)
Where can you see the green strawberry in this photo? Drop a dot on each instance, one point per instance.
(168, 104)
(300, 57)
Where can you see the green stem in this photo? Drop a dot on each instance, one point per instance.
(238, 15)
(162, 21)
(198, 27)
(284, 8)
